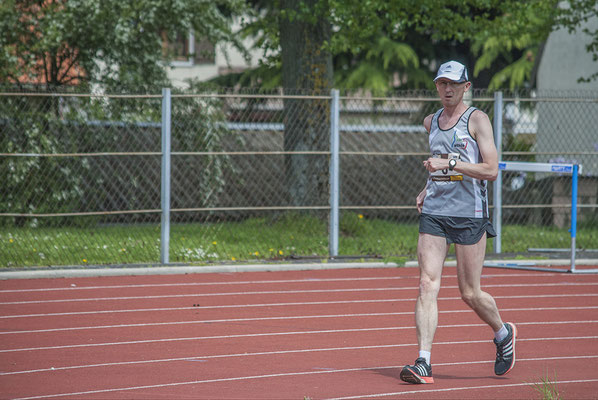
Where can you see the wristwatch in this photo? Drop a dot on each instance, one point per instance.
(452, 164)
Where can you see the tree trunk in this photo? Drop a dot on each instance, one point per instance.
(305, 65)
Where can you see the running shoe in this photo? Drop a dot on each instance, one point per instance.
(421, 372)
(505, 351)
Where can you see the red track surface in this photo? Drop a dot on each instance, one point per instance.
(288, 335)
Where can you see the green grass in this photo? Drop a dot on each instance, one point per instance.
(547, 388)
(255, 239)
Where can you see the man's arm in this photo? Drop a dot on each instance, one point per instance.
(419, 200)
(481, 130)
(428, 122)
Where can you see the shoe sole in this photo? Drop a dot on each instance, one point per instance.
(409, 376)
(514, 340)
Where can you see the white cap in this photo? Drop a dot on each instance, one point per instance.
(453, 70)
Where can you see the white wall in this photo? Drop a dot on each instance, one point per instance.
(569, 123)
(566, 59)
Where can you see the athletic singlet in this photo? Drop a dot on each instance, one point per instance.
(450, 193)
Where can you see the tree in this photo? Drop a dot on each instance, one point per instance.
(112, 42)
(304, 36)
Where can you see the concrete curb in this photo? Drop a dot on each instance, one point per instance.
(173, 270)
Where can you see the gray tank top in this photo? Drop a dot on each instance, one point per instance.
(449, 193)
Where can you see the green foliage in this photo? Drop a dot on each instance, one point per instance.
(547, 388)
(49, 170)
(515, 50)
(119, 43)
(113, 42)
(37, 184)
(384, 63)
(199, 125)
(379, 45)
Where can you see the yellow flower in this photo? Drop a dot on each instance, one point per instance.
(257, 253)
(84, 260)
(233, 258)
(10, 240)
(280, 252)
(360, 216)
(214, 242)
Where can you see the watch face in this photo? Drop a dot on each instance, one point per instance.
(452, 163)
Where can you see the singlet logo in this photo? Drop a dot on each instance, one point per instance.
(457, 141)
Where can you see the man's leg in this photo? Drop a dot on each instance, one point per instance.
(470, 262)
(431, 252)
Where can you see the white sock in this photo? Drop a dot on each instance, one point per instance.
(426, 355)
(501, 334)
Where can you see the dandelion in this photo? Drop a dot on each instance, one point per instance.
(233, 258)
(10, 240)
(214, 242)
(360, 216)
(257, 253)
(85, 260)
(280, 252)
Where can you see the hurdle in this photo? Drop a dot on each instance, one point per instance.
(572, 169)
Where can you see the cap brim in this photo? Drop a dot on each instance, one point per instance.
(453, 77)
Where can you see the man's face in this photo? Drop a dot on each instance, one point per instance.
(451, 92)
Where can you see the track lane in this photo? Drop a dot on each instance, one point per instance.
(274, 343)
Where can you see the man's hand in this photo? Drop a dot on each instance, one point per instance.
(434, 164)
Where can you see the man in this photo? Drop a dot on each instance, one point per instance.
(454, 209)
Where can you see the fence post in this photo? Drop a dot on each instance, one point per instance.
(573, 230)
(334, 174)
(165, 177)
(497, 192)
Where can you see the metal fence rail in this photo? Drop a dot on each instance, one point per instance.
(203, 177)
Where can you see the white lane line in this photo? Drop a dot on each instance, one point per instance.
(310, 303)
(279, 352)
(279, 292)
(258, 282)
(424, 391)
(251, 335)
(278, 318)
(244, 378)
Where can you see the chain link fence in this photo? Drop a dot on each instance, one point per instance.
(250, 175)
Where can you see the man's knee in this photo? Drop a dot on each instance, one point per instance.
(428, 286)
(470, 297)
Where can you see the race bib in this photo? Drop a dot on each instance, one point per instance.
(446, 174)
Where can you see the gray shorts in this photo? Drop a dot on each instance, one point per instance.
(459, 230)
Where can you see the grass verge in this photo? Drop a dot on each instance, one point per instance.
(255, 239)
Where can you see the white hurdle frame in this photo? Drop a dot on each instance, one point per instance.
(574, 170)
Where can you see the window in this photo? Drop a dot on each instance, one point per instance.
(186, 50)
